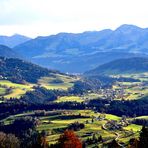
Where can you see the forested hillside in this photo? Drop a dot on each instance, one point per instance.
(20, 71)
(121, 66)
(7, 52)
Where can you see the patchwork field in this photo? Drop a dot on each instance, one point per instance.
(55, 122)
(99, 124)
(133, 90)
(58, 82)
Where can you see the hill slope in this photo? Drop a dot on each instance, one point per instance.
(13, 40)
(122, 66)
(66, 50)
(7, 52)
(19, 71)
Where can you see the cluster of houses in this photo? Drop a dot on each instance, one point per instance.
(120, 92)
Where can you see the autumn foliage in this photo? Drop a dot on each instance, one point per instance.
(9, 141)
(69, 140)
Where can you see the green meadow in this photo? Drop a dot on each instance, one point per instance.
(63, 82)
(17, 90)
(69, 99)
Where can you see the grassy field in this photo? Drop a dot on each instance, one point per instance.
(58, 81)
(140, 76)
(91, 96)
(48, 82)
(69, 99)
(133, 127)
(17, 89)
(142, 117)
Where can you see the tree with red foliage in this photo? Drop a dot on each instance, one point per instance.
(69, 140)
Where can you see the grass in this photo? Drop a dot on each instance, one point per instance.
(47, 82)
(17, 89)
(69, 99)
(66, 82)
(142, 117)
(91, 96)
(20, 89)
(11, 84)
(140, 76)
(16, 93)
(133, 127)
(112, 117)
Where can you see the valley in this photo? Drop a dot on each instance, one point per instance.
(89, 88)
(99, 126)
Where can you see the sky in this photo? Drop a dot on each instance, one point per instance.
(45, 17)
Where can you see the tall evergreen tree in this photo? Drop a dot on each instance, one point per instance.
(143, 138)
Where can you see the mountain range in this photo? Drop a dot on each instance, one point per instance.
(77, 53)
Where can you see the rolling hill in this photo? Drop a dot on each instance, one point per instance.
(121, 66)
(20, 71)
(7, 52)
(71, 52)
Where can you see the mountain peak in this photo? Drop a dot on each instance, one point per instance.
(13, 40)
(126, 27)
(19, 35)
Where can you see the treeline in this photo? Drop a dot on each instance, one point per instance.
(23, 134)
(43, 95)
(92, 84)
(140, 121)
(129, 107)
(9, 141)
(16, 106)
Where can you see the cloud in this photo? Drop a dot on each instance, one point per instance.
(52, 16)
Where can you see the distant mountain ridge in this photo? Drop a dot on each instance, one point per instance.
(69, 52)
(13, 40)
(121, 66)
